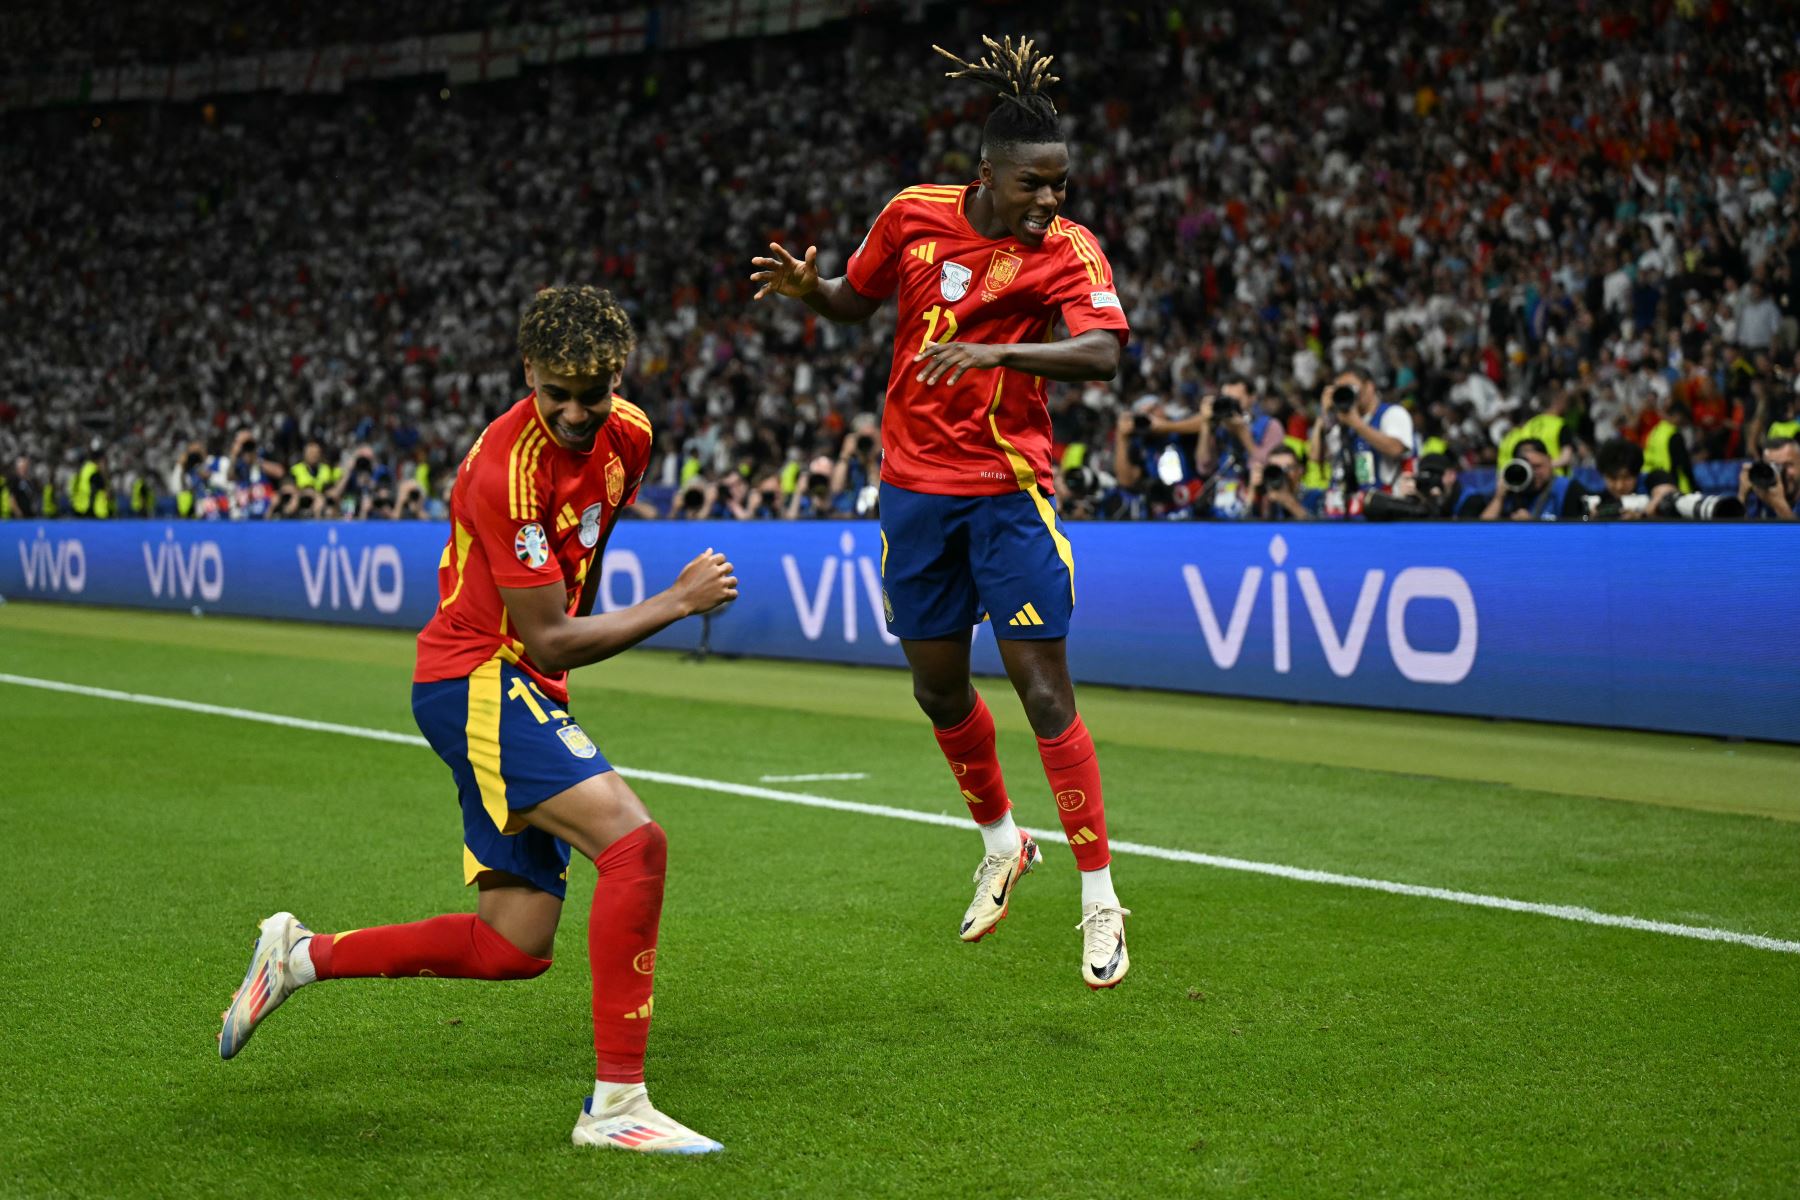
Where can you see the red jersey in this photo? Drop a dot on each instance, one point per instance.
(989, 433)
(525, 512)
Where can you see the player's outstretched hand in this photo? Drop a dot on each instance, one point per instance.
(955, 358)
(784, 274)
(705, 584)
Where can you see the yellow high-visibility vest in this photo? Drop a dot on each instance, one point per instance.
(87, 500)
(1657, 456)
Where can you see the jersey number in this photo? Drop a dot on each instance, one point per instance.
(932, 315)
(521, 690)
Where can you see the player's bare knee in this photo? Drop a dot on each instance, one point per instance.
(1049, 708)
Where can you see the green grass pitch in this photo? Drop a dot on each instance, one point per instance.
(815, 1010)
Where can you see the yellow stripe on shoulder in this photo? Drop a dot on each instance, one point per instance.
(628, 409)
(1083, 251)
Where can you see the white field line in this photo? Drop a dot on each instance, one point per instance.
(814, 778)
(1563, 912)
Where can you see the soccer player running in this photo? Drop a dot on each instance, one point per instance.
(968, 526)
(534, 503)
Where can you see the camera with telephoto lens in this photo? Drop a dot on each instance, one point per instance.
(1762, 475)
(1140, 424)
(864, 443)
(1224, 409)
(1515, 476)
(1274, 480)
(1343, 397)
(1082, 481)
(1697, 506)
(1608, 507)
(1429, 478)
(693, 499)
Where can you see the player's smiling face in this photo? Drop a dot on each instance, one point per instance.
(573, 406)
(1028, 184)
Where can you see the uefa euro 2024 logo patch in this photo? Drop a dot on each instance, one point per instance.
(577, 740)
(532, 547)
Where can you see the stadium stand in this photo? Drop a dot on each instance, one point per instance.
(1503, 211)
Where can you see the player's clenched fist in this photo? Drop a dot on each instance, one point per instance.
(705, 584)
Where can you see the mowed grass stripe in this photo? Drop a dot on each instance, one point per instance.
(1562, 912)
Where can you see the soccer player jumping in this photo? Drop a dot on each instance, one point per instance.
(968, 524)
(534, 503)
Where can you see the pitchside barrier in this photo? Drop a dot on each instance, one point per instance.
(1685, 628)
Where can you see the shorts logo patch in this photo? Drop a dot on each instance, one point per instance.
(532, 547)
(615, 485)
(887, 606)
(590, 517)
(578, 742)
(953, 281)
(645, 963)
(1071, 799)
(1104, 300)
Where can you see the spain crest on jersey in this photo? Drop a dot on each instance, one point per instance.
(1003, 268)
(577, 740)
(615, 483)
(953, 281)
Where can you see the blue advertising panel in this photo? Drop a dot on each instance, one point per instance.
(1675, 627)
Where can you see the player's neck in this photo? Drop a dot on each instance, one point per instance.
(979, 210)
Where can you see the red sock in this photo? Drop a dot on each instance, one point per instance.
(969, 748)
(1074, 777)
(622, 949)
(454, 946)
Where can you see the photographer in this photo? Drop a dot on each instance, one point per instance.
(1770, 488)
(1431, 491)
(1367, 441)
(1155, 452)
(1275, 489)
(812, 495)
(856, 478)
(360, 481)
(245, 477)
(19, 492)
(1629, 495)
(1529, 489)
(303, 492)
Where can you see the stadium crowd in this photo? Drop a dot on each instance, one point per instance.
(1350, 271)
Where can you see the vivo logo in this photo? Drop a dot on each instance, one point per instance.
(619, 564)
(845, 572)
(53, 566)
(175, 570)
(1343, 651)
(373, 574)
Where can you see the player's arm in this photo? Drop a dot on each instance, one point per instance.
(1090, 355)
(782, 274)
(558, 641)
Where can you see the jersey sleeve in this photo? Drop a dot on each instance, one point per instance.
(1084, 288)
(874, 269)
(506, 504)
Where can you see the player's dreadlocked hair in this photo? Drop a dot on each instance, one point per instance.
(576, 331)
(1024, 115)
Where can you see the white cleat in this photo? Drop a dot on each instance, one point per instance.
(1103, 957)
(266, 984)
(994, 880)
(633, 1123)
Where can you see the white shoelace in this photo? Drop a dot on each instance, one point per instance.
(992, 866)
(1100, 933)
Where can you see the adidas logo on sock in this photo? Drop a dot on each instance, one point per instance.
(643, 1012)
(1083, 836)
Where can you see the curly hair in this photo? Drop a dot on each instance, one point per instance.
(1024, 114)
(576, 331)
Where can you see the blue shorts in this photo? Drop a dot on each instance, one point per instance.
(509, 748)
(947, 560)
